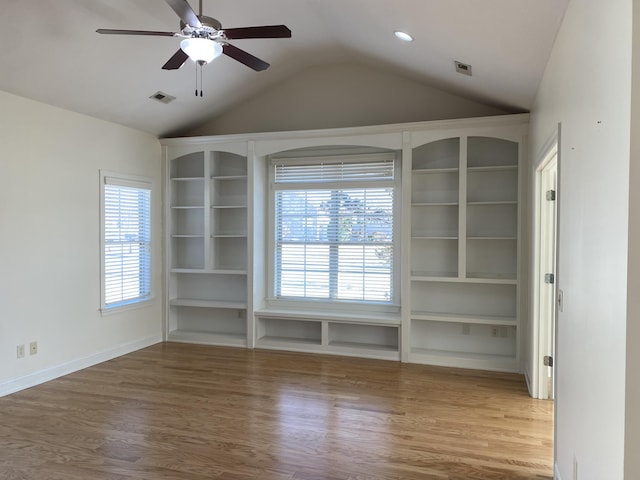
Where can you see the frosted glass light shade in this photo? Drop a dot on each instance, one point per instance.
(201, 49)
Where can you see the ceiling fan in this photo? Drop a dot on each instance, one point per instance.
(204, 38)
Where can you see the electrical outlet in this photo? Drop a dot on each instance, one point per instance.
(20, 351)
(500, 332)
(33, 348)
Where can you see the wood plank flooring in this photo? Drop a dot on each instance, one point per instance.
(193, 412)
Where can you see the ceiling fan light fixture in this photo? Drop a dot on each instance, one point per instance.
(405, 37)
(201, 50)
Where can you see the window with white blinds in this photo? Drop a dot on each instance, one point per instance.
(334, 228)
(126, 241)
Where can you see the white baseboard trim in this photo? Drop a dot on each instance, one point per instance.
(527, 379)
(36, 378)
(556, 472)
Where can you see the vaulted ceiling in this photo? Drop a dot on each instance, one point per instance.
(52, 53)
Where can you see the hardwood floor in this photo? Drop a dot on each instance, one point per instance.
(176, 411)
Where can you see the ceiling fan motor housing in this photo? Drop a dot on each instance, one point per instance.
(211, 28)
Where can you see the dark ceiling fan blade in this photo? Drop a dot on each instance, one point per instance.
(110, 31)
(185, 12)
(267, 31)
(244, 57)
(176, 61)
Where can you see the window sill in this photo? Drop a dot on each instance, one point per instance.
(105, 312)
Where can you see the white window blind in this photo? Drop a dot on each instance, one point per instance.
(334, 228)
(126, 242)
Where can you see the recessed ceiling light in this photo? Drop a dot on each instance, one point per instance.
(405, 37)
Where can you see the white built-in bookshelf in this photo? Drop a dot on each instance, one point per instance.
(460, 242)
(464, 252)
(208, 229)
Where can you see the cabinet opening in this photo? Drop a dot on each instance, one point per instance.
(289, 331)
(492, 259)
(434, 221)
(187, 194)
(434, 258)
(442, 338)
(188, 166)
(225, 164)
(375, 337)
(435, 188)
(439, 154)
(492, 221)
(219, 321)
(229, 253)
(228, 222)
(188, 221)
(468, 299)
(489, 151)
(187, 252)
(212, 287)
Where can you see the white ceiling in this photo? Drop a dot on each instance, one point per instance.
(52, 54)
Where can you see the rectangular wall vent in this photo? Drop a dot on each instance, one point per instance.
(162, 97)
(463, 68)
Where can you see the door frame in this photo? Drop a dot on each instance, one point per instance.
(542, 332)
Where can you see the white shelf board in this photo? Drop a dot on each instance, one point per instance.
(194, 302)
(363, 346)
(188, 270)
(504, 237)
(229, 235)
(453, 277)
(219, 271)
(186, 179)
(383, 352)
(428, 171)
(185, 235)
(186, 207)
(493, 202)
(435, 277)
(494, 278)
(208, 338)
(435, 204)
(373, 318)
(228, 207)
(479, 361)
(228, 177)
(492, 168)
(433, 237)
(275, 341)
(228, 270)
(458, 318)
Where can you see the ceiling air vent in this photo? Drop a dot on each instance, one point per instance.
(463, 68)
(162, 97)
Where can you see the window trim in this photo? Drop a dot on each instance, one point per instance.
(135, 181)
(336, 305)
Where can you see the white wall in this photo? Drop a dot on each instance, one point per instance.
(587, 88)
(344, 95)
(49, 243)
(632, 411)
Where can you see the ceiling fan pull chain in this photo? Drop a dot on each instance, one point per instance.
(201, 80)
